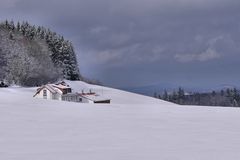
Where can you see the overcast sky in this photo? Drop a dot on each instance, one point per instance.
(142, 42)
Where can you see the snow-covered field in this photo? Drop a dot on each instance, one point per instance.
(133, 127)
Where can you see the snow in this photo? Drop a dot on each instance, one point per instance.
(133, 127)
(116, 96)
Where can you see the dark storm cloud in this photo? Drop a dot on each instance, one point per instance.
(153, 38)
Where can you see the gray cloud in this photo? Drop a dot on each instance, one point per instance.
(209, 54)
(116, 36)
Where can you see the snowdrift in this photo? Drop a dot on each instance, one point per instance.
(133, 127)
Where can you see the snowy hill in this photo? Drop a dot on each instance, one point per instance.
(116, 96)
(133, 127)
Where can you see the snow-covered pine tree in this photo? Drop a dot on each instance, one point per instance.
(31, 32)
(23, 28)
(63, 55)
(3, 64)
(11, 26)
(73, 70)
(18, 26)
(61, 51)
(6, 24)
(42, 33)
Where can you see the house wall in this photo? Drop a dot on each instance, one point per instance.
(59, 95)
(75, 98)
(84, 100)
(70, 98)
(40, 94)
(56, 96)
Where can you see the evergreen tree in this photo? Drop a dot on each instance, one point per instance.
(165, 95)
(213, 93)
(6, 24)
(11, 26)
(18, 26)
(222, 93)
(11, 35)
(181, 93)
(61, 51)
(155, 95)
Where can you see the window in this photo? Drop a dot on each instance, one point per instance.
(44, 93)
(80, 99)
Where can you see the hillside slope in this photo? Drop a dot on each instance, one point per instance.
(133, 127)
(116, 96)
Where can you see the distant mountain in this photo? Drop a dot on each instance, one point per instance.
(31, 55)
(224, 87)
(149, 90)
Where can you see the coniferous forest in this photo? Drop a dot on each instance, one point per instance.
(224, 97)
(34, 55)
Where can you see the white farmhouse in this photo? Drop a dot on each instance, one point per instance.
(62, 92)
(52, 91)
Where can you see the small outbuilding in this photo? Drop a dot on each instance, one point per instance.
(85, 98)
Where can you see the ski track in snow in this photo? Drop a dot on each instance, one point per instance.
(133, 127)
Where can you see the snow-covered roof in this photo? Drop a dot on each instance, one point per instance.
(60, 86)
(70, 94)
(93, 97)
(50, 87)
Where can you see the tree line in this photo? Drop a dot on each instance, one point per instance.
(25, 47)
(225, 97)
